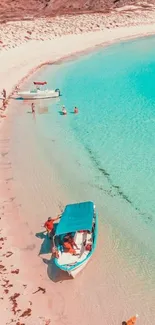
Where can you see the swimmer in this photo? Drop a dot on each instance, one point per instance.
(64, 112)
(76, 110)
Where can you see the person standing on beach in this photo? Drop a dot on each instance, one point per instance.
(4, 104)
(32, 107)
(4, 98)
(4, 94)
(131, 321)
(49, 225)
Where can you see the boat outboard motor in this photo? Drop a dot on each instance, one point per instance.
(57, 91)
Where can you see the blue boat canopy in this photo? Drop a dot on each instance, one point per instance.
(78, 216)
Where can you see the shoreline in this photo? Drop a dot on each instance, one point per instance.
(23, 56)
(18, 64)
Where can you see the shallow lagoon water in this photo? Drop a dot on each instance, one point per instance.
(106, 153)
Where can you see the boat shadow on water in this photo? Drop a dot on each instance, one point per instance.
(53, 272)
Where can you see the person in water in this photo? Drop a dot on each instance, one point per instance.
(131, 321)
(33, 108)
(76, 111)
(49, 225)
(64, 111)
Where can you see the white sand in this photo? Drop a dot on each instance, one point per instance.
(15, 64)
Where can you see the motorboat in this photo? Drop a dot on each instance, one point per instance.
(39, 92)
(79, 222)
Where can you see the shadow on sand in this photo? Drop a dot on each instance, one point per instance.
(53, 272)
(46, 245)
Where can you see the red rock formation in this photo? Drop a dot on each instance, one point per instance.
(15, 9)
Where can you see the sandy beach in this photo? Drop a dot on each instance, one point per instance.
(27, 295)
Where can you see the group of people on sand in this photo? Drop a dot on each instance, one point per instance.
(64, 111)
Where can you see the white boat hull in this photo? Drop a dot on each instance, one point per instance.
(77, 270)
(72, 258)
(38, 94)
(73, 264)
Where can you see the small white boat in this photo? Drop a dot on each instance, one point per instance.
(40, 92)
(78, 222)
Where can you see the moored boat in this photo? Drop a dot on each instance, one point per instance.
(78, 227)
(40, 92)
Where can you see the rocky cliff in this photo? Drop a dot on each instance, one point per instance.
(28, 9)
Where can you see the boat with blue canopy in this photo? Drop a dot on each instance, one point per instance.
(75, 237)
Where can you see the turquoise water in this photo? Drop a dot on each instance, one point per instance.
(106, 153)
(114, 90)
